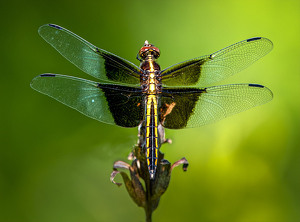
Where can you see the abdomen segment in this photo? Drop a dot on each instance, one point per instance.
(151, 128)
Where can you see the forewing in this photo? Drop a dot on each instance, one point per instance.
(181, 108)
(205, 70)
(108, 103)
(87, 57)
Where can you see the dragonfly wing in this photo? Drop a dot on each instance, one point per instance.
(187, 107)
(87, 57)
(205, 70)
(108, 103)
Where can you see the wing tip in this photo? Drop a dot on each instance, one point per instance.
(42, 75)
(256, 85)
(51, 25)
(47, 75)
(55, 26)
(253, 39)
(263, 87)
(47, 26)
(265, 40)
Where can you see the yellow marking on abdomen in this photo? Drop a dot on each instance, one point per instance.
(152, 132)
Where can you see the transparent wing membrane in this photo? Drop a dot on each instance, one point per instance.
(205, 70)
(90, 59)
(184, 101)
(112, 104)
(197, 107)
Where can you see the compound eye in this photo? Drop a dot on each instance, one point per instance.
(156, 54)
(143, 52)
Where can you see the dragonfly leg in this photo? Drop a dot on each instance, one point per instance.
(182, 161)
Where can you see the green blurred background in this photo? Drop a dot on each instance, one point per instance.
(55, 163)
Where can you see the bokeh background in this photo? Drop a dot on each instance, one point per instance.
(55, 163)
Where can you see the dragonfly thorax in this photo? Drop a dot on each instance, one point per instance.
(151, 76)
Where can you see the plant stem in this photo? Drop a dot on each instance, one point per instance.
(148, 215)
(148, 208)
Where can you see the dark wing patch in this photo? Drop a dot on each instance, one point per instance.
(177, 106)
(125, 104)
(186, 73)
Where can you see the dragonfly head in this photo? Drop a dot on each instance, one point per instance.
(149, 49)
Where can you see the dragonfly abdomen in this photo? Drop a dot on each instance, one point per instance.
(151, 134)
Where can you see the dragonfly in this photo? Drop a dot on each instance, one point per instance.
(147, 96)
